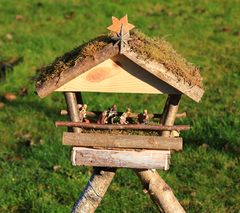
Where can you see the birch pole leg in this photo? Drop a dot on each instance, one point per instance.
(101, 177)
(96, 188)
(158, 190)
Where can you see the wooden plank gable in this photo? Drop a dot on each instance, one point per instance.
(118, 74)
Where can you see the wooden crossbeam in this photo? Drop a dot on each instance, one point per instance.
(122, 141)
(121, 127)
(149, 159)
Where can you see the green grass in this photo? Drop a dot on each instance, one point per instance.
(207, 33)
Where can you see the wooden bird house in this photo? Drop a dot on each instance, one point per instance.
(125, 61)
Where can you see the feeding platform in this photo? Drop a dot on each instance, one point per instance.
(125, 61)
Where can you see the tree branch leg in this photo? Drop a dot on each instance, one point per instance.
(94, 191)
(159, 191)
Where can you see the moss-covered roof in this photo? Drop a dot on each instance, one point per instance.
(156, 49)
(155, 55)
(71, 58)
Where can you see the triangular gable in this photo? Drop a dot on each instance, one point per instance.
(118, 74)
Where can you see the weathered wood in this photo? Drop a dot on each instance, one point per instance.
(192, 91)
(132, 115)
(101, 178)
(121, 158)
(118, 74)
(170, 112)
(121, 141)
(154, 159)
(159, 191)
(94, 190)
(121, 126)
(89, 62)
(71, 102)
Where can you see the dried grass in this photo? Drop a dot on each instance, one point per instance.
(72, 57)
(160, 50)
(156, 49)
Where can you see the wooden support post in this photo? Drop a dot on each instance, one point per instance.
(101, 177)
(170, 112)
(71, 102)
(159, 191)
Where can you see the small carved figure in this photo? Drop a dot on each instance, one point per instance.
(102, 118)
(83, 113)
(124, 117)
(143, 117)
(111, 114)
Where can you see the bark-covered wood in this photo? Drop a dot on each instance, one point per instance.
(159, 70)
(148, 159)
(101, 177)
(71, 102)
(121, 141)
(170, 112)
(122, 126)
(94, 190)
(159, 191)
(52, 84)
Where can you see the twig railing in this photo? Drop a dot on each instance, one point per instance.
(121, 126)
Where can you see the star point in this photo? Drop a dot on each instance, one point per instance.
(118, 23)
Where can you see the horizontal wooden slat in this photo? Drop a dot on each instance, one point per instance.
(145, 159)
(122, 141)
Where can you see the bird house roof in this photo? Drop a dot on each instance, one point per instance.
(153, 56)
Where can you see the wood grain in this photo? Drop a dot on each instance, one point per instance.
(122, 159)
(118, 74)
(89, 62)
(121, 141)
(192, 91)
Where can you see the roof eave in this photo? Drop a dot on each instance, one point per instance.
(192, 91)
(52, 84)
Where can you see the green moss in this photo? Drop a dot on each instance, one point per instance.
(156, 49)
(72, 57)
(161, 51)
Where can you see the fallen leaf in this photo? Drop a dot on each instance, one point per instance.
(19, 17)
(10, 96)
(56, 168)
(9, 36)
(41, 141)
(193, 194)
(226, 29)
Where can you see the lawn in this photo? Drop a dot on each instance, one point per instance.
(36, 174)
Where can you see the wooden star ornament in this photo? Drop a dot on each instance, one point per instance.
(119, 24)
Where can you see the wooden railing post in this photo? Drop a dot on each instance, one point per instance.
(72, 107)
(170, 112)
(101, 177)
(158, 190)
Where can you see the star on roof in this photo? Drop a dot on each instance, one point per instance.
(118, 24)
